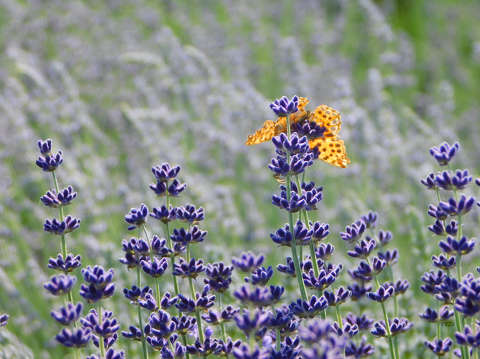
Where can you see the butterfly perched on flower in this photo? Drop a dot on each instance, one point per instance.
(321, 127)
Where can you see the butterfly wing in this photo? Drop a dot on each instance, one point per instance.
(331, 151)
(264, 134)
(274, 128)
(328, 118)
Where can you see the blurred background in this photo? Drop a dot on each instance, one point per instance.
(121, 86)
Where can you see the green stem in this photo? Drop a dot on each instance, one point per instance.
(278, 343)
(390, 338)
(293, 247)
(395, 309)
(60, 210)
(140, 321)
(157, 284)
(64, 240)
(474, 326)
(169, 243)
(194, 296)
(101, 343)
(172, 258)
(222, 324)
(339, 317)
(387, 322)
(458, 325)
(313, 255)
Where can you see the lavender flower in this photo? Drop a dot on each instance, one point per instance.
(66, 265)
(384, 292)
(154, 267)
(384, 237)
(309, 308)
(60, 284)
(63, 198)
(48, 161)
(68, 314)
(430, 182)
(360, 350)
(190, 214)
(185, 237)
(133, 333)
(137, 216)
(468, 337)
(284, 237)
(219, 276)
(165, 172)
(363, 248)
(457, 208)
(370, 219)
(324, 250)
(247, 262)
(362, 322)
(444, 153)
(74, 338)
(354, 231)
(251, 321)
(283, 106)
(104, 329)
(110, 354)
(260, 276)
(3, 320)
(99, 283)
(452, 245)
(438, 346)
(397, 326)
(135, 293)
(60, 228)
(188, 269)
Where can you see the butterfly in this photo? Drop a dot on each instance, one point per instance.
(330, 148)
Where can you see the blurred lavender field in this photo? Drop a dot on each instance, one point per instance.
(124, 85)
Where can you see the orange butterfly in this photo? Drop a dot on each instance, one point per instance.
(331, 149)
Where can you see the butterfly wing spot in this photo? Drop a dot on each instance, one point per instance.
(331, 151)
(329, 118)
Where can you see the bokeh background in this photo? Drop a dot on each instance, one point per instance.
(121, 85)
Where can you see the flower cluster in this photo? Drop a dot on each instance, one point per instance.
(455, 294)
(174, 317)
(375, 261)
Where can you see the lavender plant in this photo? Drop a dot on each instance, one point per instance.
(96, 326)
(65, 263)
(455, 292)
